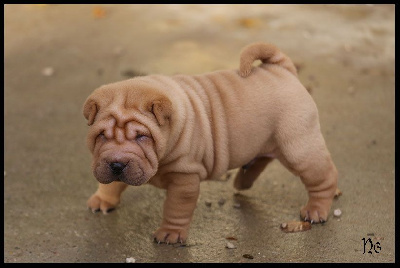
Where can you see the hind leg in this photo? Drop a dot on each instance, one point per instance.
(309, 158)
(249, 173)
(321, 184)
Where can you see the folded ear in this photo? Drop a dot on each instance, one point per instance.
(90, 110)
(162, 110)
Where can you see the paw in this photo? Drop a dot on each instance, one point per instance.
(170, 236)
(96, 203)
(316, 210)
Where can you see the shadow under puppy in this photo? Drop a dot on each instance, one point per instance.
(176, 131)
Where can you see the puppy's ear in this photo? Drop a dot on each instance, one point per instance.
(90, 110)
(162, 110)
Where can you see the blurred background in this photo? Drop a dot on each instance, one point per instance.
(56, 55)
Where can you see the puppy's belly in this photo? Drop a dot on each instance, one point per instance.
(240, 162)
(260, 144)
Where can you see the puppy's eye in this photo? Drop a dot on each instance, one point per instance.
(101, 135)
(141, 137)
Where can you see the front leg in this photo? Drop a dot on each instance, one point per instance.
(107, 197)
(182, 194)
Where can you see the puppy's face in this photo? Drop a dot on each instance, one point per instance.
(127, 134)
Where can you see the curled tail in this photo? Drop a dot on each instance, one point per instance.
(265, 52)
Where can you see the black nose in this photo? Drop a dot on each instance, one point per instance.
(117, 167)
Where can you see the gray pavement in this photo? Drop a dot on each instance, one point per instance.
(55, 55)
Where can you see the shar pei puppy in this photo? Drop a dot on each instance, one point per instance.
(175, 131)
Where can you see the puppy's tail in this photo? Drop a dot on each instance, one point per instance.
(265, 52)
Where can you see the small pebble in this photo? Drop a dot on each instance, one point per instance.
(248, 22)
(248, 256)
(337, 212)
(307, 35)
(284, 225)
(208, 203)
(230, 245)
(117, 51)
(236, 205)
(347, 47)
(131, 73)
(98, 12)
(351, 90)
(130, 260)
(221, 201)
(48, 71)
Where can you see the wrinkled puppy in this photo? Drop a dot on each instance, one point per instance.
(175, 131)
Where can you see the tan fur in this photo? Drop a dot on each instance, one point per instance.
(175, 131)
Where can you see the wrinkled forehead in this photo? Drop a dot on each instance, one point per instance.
(131, 122)
(129, 131)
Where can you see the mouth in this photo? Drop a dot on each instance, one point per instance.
(131, 174)
(136, 179)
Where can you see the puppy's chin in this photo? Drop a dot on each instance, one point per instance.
(134, 181)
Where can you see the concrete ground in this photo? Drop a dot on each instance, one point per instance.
(55, 55)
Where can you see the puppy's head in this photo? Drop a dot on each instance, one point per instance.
(129, 123)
